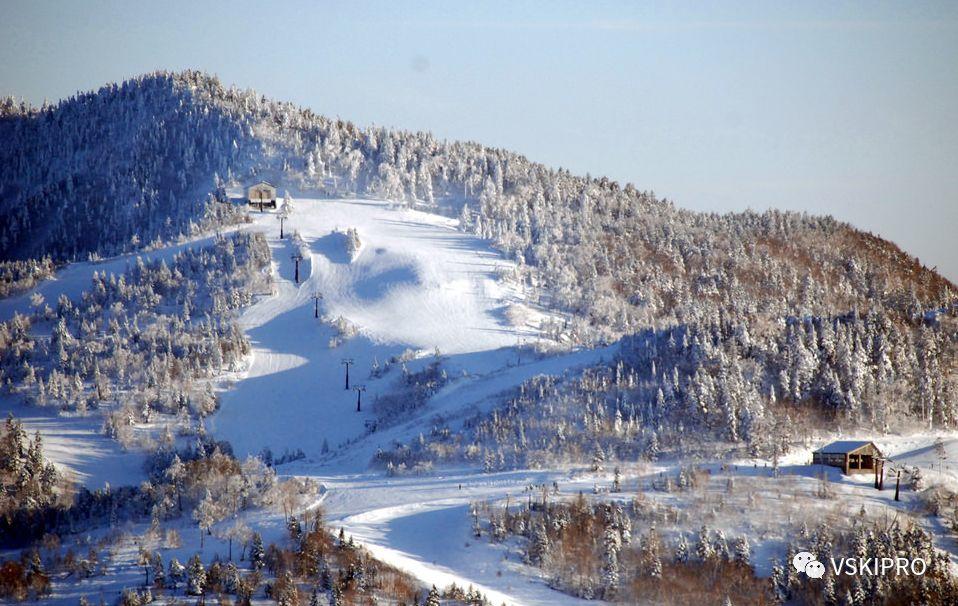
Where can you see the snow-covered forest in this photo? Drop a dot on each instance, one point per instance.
(112, 170)
(808, 298)
(671, 388)
(504, 322)
(631, 552)
(134, 344)
(154, 147)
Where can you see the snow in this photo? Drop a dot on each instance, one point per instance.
(416, 280)
(422, 525)
(907, 449)
(843, 446)
(416, 284)
(77, 446)
(440, 533)
(75, 443)
(75, 278)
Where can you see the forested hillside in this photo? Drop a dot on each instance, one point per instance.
(669, 389)
(742, 311)
(590, 329)
(112, 170)
(108, 170)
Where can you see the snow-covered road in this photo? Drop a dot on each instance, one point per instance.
(423, 525)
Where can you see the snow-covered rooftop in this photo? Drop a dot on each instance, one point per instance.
(843, 446)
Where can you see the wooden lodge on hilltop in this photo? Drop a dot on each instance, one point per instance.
(263, 195)
(851, 456)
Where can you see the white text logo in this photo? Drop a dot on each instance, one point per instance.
(808, 563)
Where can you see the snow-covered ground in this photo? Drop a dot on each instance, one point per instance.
(415, 285)
(422, 525)
(78, 446)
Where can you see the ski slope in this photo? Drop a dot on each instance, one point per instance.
(422, 524)
(73, 279)
(415, 281)
(415, 284)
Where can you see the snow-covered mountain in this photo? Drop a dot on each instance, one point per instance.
(113, 170)
(508, 329)
(802, 308)
(139, 159)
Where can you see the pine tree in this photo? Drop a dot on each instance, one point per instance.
(652, 447)
(721, 546)
(598, 458)
(433, 598)
(650, 555)
(159, 573)
(682, 550)
(540, 546)
(858, 592)
(196, 576)
(336, 595)
(780, 582)
(743, 551)
(285, 591)
(176, 573)
(325, 578)
(828, 591)
(206, 514)
(610, 567)
(703, 547)
(257, 554)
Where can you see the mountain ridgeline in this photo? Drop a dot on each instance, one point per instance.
(797, 308)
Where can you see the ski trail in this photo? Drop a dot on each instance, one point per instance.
(75, 278)
(422, 525)
(414, 282)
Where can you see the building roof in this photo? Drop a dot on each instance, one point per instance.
(845, 446)
(263, 183)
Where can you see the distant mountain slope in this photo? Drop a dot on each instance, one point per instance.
(96, 169)
(111, 170)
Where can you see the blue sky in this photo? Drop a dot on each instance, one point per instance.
(847, 108)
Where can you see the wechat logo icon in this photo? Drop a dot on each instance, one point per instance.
(807, 562)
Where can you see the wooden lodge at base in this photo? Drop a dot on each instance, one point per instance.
(851, 456)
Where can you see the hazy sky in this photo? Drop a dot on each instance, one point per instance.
(847, 108)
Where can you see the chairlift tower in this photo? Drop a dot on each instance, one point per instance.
(296, 257)
(347, 362)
